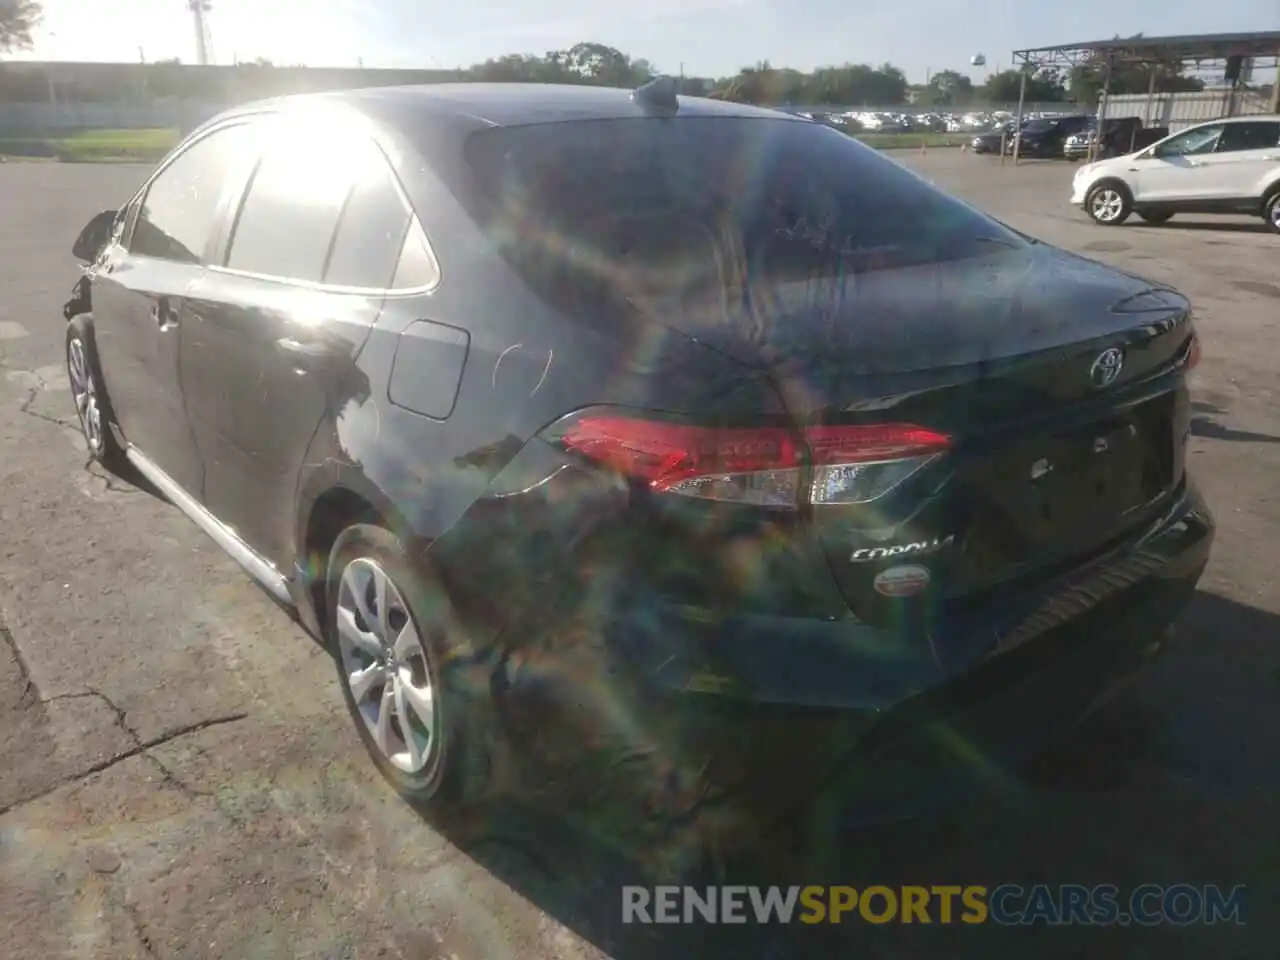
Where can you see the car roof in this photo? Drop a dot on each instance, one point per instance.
(505, 104)
(1246, 118)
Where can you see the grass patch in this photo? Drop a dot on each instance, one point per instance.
(95, 146)
(910, 141)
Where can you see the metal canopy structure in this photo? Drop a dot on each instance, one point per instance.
(1262, 48)
(1259, 49)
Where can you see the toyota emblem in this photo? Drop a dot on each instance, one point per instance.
(1106, 367)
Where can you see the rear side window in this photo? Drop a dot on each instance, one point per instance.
(1252, 135)
(417, 267)
(289, 214)
(372, 231)
(663, 215)
(182, 204)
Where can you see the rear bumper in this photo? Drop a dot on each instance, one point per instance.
(760, 702)
(845, 664)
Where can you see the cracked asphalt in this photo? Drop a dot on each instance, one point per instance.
(178, 779)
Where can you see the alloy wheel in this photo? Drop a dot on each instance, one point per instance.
(1107, 204)
(84, 390)
(385, 667)
(1275, 217)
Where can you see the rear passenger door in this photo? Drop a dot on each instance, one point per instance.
(1246, 155)
(278, 323)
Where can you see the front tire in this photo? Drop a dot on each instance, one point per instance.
(402, 662)
(1155, 217)
(1271, 212)
(93, 407)
(1109, 203)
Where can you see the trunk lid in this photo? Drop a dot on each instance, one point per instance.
(1057, 379)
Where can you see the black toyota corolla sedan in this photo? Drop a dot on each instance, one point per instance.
(700, 431)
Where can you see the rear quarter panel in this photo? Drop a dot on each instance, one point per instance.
(526, 365)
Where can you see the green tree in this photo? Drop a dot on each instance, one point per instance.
(1043, 86)
(18, 19)
(587, 62)
(888, 85)
(848, 85)
(642, 71)
(598, 64)
(1087, 80)
(519, 68)
(948, 88)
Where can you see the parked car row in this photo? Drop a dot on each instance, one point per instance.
(880, 121)
(1122, 136)
(1037, 137)
(1071, 137)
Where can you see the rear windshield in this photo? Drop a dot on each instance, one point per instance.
(624, 209)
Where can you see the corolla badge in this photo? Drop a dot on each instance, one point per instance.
(1106, 367)
(867, 554)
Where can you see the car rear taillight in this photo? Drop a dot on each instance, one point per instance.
(766, 466)
(857, 463)
(759, 466)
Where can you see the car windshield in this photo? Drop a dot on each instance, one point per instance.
(616, 204)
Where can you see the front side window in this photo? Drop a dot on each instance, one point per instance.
(290, 211)
(181, 206)
(1252, 135)
(1200, 140)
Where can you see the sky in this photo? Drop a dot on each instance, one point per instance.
(707, 37)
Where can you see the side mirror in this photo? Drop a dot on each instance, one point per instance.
(94, 237)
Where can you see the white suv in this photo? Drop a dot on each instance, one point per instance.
(1224, 166)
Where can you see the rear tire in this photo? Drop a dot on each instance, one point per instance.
(1156, 217)
(1109, 203)
(420, 702)
(1271, 212)
(88, 392)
